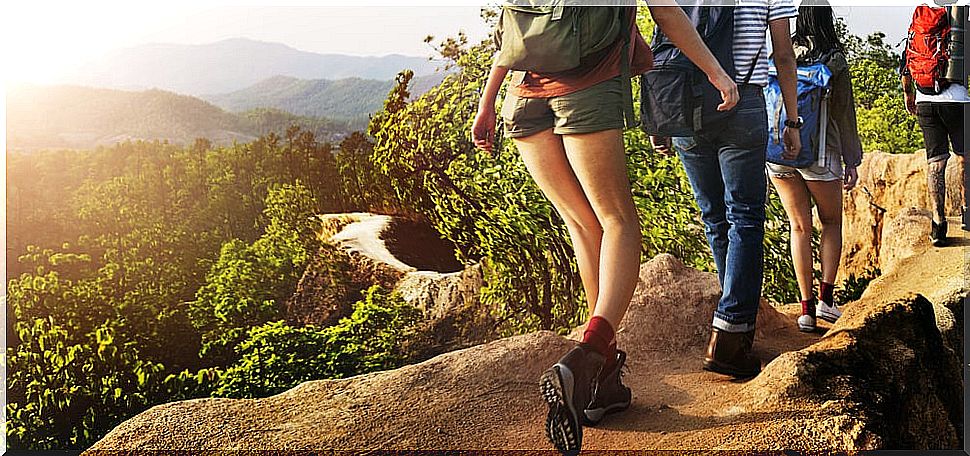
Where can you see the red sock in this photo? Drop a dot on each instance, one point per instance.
(599, 335)
(825, 291)
(808, 307)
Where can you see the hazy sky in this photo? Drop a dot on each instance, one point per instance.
(43, 39)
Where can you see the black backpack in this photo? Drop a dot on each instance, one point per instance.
(676, 99)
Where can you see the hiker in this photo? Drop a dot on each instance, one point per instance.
(725, 162)
(932, 76)
(567, 126)
(824, 180)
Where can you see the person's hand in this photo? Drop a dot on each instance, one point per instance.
(910, 102)
(850, 179)
(729, 91)
(661, 144)
(793, 143)
(483, 129)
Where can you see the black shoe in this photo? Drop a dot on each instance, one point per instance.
(610, 395)
(938, 234)
(730, 354)
(567, 388)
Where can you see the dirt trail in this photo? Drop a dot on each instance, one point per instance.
(486, 397)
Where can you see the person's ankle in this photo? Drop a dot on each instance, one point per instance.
(599, 336)
(808, 306)
(826, 292)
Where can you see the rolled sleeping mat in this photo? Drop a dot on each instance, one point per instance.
(955, 69)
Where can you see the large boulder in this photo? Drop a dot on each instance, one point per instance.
(674, 307)
(903, 234)
(351, 258)
(455, 316)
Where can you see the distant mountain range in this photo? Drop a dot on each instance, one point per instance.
(231, 65)
(343, 99)
(247, 88)
(81, 117)
(41, 117)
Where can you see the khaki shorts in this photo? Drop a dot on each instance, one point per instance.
(592, 109)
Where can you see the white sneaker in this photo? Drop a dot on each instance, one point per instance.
(827, 312)
(806, 323)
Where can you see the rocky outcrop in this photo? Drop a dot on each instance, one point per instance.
(883, 377)
(889, 184)
(350, 259)
(363, 249)
(450, 302)
(887, 375)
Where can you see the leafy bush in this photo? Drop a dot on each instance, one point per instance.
(884, 124)
(853, 286)
(114, 256)
(63, 394)
(275, 357)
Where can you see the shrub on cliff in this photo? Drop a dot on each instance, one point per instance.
(884, 124)
(274, 356)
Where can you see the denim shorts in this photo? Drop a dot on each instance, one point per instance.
(816, 172)
(595, 108)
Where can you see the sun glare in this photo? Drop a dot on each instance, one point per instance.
(42, 40)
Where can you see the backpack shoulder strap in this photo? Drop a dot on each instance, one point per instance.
(754, 63)
(625, 76)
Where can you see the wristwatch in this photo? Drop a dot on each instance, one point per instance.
(796, 124)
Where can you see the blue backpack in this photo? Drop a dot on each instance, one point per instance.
(813, 94)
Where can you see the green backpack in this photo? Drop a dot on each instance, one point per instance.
(545, 36)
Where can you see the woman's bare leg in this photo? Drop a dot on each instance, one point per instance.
(828, 201)
(598, 161)
(797, 202)
(545, 158)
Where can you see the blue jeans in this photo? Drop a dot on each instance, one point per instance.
(725, 163)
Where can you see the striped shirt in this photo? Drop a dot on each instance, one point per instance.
(751, 18)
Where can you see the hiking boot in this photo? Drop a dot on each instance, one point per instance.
(610, 395)
(828, 312)
(567, 388)
(938, 234)
(730, 354)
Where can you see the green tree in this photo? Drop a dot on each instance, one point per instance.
(884, 124)
(249, 282)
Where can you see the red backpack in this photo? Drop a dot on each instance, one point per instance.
(926, 49)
